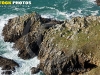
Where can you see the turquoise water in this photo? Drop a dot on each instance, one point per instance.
(57, 9)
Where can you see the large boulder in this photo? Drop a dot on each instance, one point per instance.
(8, 65)
(72, 47)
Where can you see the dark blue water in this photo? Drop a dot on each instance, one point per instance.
(57, 9)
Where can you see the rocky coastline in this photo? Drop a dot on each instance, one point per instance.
(69, 47)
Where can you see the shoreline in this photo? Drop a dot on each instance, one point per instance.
(59, 45)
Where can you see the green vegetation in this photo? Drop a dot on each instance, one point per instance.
(87, 38)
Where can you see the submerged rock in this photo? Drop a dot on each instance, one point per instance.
(8, 65)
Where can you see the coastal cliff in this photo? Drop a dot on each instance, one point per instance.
(63, 47)
(27, 33)
(72, 47)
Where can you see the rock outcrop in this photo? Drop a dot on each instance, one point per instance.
(8, 65)
(98, 2)
(69, 47)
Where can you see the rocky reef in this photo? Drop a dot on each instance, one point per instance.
(8, 65)
(69, 47)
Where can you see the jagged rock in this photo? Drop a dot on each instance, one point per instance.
(7, 65)
(27, 32)
(19, 26)
(78, 54)
(98, 2)
(28, 46)
(70, 47)
(34, 70)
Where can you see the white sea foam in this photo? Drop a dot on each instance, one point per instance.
(25, 65)
(61, 15)
(94, 12)
(92, 1)
(47, 15)
(0, 70)
(39, 7)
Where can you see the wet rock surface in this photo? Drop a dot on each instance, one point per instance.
(98, 2)
(63, 47)
(8, 65)
(71, 48)
(35, 70)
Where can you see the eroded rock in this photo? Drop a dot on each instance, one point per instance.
(98, 2)
(35, 70)
(27, 33)
(8, 65)
(70, 47)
